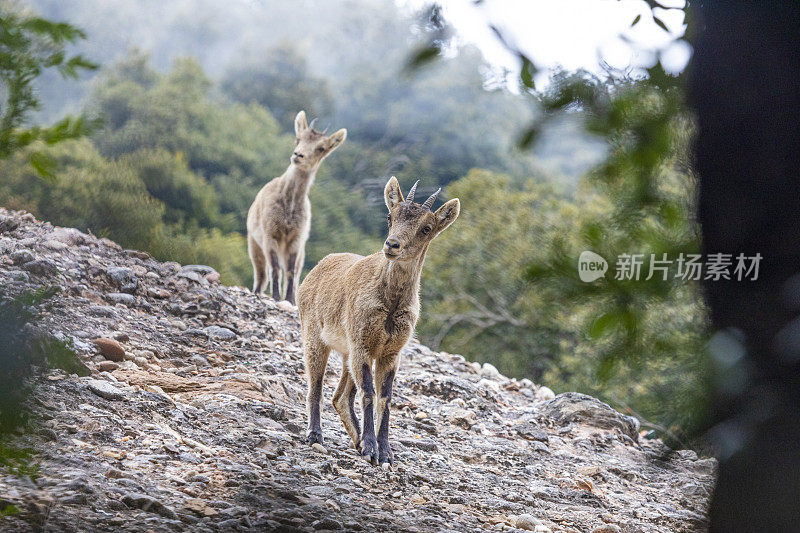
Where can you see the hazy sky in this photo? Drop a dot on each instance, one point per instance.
(571, 33)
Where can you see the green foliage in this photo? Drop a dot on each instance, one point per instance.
(647, 335)
(28, 46)
(24, 351)
(476, 299)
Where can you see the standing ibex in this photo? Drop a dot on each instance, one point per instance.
(366, 308)
(280, 218)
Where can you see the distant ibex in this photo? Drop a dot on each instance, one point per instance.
(280, 218)
(366, 308)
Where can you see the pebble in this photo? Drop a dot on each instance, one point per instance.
(490, 371)
(527, 522)
(110, 349)
(105, 389)
(107, 366)
(149, 504)
(217, 332)
(607, 528)
(319, 447)
(42, 267)
(121, 298)
(20, 257)
(544, 394)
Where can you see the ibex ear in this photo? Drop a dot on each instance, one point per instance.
(300, 123)
(446, 214)
(336, 139)
(392, 194)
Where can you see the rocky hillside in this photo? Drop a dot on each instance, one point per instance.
(193, 419)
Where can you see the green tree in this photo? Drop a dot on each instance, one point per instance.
(28, 46)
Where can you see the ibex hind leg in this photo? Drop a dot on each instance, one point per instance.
(259, 261)
(344, 401)
(316, 358)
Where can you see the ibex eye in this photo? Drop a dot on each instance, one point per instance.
(320, 150)
(426, 230)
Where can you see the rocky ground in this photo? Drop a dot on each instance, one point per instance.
(193, 419)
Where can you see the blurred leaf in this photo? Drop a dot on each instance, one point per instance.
(529, 136)
(421, 57)
(636, 20)
(43, 164)
(527, 72)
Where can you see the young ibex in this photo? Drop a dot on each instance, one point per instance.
(280, 218)
(366, 308)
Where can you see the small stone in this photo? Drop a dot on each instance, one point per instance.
(158, 293)
(42, 267)
(544, 394)
(589, 471)
(541, 529)
(20, 257)
(107, 366)
(490, 371)
(489, 385)
(110, 349)
(120, 275)
(319, 447)
(217, 332)
(8, 224)
(286, 307)
(527, 522)
(607, 528)
(105, 389)
(121, 298)
(327, 523)
(420, 415)
(55, 245)
(463, 417)
(149, 504)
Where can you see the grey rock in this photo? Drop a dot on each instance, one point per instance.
(19, 257)
(121, 298)
(149, 504)
(327, 523)
(105, 389)
(203, 270)
(102, 310)
(41, 267)
(8, 224)
(120, 275)
(217, 332)
(19, 275)
(572, 407)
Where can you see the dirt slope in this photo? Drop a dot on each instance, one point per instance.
(199, 427)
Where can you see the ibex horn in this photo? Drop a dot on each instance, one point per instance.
(411, 192)
(311, 126)
(432, 198)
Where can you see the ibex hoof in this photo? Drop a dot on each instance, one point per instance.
(385, 456)
(369, 451)
(314, 437)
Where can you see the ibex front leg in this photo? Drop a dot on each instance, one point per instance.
(362, 375)
(384, 379)
(275, 268)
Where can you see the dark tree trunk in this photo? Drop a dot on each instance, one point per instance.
(745, 87)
